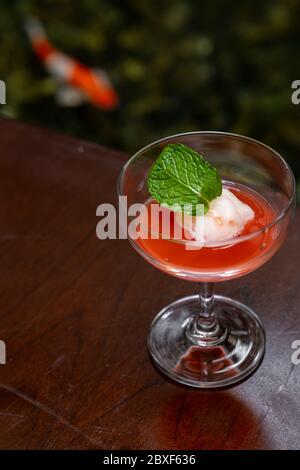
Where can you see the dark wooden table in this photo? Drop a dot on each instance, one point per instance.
(75, 313)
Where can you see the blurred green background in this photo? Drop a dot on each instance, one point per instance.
(177, 66)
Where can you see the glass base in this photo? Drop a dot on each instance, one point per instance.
(218, 360)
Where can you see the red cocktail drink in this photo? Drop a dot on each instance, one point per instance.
(217, 261)
(246, 190)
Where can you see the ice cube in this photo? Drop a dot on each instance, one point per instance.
(225, 219)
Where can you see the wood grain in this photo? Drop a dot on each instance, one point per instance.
(75, 313)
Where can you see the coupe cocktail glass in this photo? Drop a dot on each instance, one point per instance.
(207, 340)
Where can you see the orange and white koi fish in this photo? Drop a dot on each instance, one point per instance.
(78, 82)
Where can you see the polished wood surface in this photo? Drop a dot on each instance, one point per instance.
(75, 313)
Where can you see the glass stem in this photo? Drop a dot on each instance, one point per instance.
(206, 318)
(204, 328)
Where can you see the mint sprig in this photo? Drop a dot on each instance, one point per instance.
(181, 178)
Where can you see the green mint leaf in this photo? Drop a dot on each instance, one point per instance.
(182, 178)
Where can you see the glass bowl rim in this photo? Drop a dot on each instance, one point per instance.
(237, 239)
